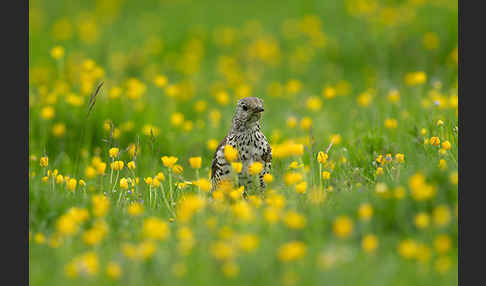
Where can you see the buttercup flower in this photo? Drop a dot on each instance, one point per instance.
(195, 162)
(168, 161)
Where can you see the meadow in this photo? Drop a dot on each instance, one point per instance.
(129, 99)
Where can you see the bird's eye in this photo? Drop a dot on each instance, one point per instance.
(245, 108)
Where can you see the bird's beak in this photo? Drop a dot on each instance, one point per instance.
(259, 109)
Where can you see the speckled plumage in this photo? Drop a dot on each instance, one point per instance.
(247, 138)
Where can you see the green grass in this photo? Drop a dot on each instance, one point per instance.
(179, 39)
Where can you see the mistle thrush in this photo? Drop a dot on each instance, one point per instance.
(247, 138)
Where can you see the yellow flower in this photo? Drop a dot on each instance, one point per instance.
(242, 210)
(440, 122)
(422, 220)
(65, 225)
(44, 161)
(326, 175)
(222, 251)
(408, 248)
(446, 145)
(57, 52)
(364, 99)
(442, 215)
(155, 182)
(305, 123)
(295, 165)
(230, 269)
(117, 165)
(150, 130)
(90, 172)
(400, 157)
(292, 178)
(379, 171)
(230, 153)
(115, 92)
(212, 144)
(271, 215)
(442, 243)
(71, 184)
(203, 184)
(442, 264)
(415, 78)
(59, 179)
(295, 220)
(200, 105)
(296, 149)
(391, 123)
(335, 138)
(291, 122)
(131, 165)
(160, 176)
(113, 270)
(39, 238)
(85, 264)
(293, 86)
(188, 206)
(291, 251)
(195, 162)
(248, 242)
(148, 180)
(135, 88)
(268, 178)
(113, 152)
(314, 103)
(342, 226)
(47, 112)
(135, 209)
(301, 187)
(442, 164)
(329, 92)
(222, 98)
(160, 81)
(187, 126)
(322, 157)
(365, 211)
(59, 129)
(255, 168)
(123, 183)
(155, 228)
(168, 161)
(454, 178)
(100, 204)
(369, 243)
(177, 119)
(100, 168)
(95, 235)
(133, 150)
(177, 169)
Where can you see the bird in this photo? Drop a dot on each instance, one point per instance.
(246, 136)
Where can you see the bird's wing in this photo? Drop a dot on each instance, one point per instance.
(214, 164)
(267, 155)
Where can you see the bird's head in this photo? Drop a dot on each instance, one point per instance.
(249, 110)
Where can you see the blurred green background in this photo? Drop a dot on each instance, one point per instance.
(308, 60)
